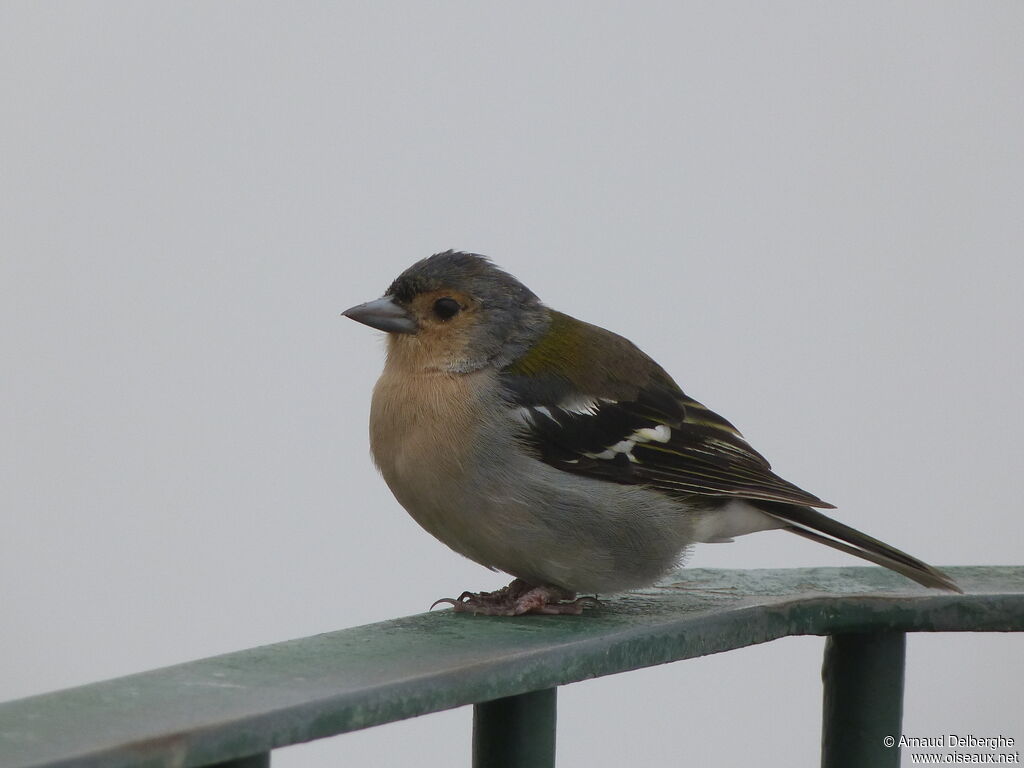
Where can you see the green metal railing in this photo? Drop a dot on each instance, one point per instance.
(232, 710)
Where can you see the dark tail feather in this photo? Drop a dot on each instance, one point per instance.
(815, 526)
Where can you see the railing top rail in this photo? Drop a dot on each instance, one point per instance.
(250, 701)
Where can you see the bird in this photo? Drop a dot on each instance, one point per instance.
(558, 452)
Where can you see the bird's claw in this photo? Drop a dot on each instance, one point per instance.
(519, 598)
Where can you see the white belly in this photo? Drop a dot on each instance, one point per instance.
(737, 518)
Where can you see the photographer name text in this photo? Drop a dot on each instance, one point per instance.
(953, 741)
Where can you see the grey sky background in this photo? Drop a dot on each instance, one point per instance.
(809, 213)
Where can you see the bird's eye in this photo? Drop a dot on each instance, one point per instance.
(446, 308)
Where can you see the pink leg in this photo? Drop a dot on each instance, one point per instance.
(519, 598)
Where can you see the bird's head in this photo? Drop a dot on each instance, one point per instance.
(455, 312)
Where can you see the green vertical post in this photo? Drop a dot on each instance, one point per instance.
(863, 700)
(261, 760)
(515, 732)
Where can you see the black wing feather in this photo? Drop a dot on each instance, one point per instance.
(703, 454)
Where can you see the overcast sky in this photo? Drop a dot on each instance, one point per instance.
(809, 213)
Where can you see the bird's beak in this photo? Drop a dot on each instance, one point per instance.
(384, 315)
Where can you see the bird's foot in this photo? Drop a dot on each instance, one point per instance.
(519, 598)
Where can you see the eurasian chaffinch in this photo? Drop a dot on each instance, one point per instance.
(556, 451)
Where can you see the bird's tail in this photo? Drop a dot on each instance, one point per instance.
(813, 525)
